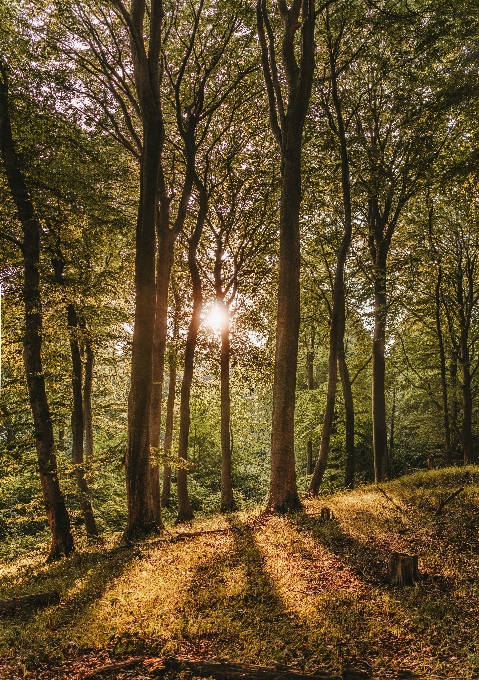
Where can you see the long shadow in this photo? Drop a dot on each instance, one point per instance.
(437, 611)
(88, 573)
(241, 612)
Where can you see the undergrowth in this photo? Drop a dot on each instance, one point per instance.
(293, 590)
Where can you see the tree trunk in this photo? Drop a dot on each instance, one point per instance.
(283, 493)
(310, 377)
(77, 417)
(467, 439)
(77, 425)
(227, 500)
(338, 313)
(442, 363)
(141, 518)
(170, 406)
(185, 512)
(87, 407)
(164, 265)
(455, 438)
(287, 124)
(391, 427)
(58, 519)
(379, 369)
(349, 408)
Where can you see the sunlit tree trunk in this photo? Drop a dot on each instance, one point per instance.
(170, 407)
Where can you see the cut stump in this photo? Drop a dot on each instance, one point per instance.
(326, 514)
(403, 569)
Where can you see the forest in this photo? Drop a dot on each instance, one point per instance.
(239, 333)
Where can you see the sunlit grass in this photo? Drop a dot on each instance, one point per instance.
(292, 590)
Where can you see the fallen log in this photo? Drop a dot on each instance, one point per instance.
(112, 667)
(239, 671)
(40, 600)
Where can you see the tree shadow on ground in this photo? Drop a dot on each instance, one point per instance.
(81, 580)
(234, 608)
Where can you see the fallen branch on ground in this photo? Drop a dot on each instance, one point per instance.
(111, 667)
(443, 503)
(40, 600)
(398, 507)
(237, 671)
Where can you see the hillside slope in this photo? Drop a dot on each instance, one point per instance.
(297, 590)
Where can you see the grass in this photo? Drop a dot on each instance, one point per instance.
(290, 590)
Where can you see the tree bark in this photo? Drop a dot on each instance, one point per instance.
(338, 313)
(77, 417)
(87, 406)
(227, 500)
(287, 123)
(58, 519)
(467, 439)
(146, 59)
(170, 408)
(185, 512)
(310, 378)
(166, 243)
(442, 364)
(349, 409)
(379, 374)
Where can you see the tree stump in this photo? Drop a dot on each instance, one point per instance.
(430, 463)
(326, 514)
(402, 569)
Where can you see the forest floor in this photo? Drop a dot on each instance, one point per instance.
(293, 590)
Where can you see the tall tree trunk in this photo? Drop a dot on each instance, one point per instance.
(170, 407)
(77, 417)
(442, 363)
(467, 439)
(77, 425)
(338, 313)
(164, 265)
(185, 512)
(379, 373)
(57, 515)
(287, 124)
(87, 406)
(147, 74)
(392, 427)
(349, 408)
(455, 438)
(310, 378)
(227, 500)
(283, 493)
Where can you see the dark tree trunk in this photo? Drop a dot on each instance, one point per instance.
(87, 406)
(287, 123)
(455, 438)
(310, 377)
(338, 312)
(227, 500)
(392, 426)
(283, 494)
(170, 408)
(379, 373)
(442, 363)
(77, 425)
(58, 519)
(163, 273)
(185, 512)
(77, 417)
(349, 409)
(467, 440)
(147, 73)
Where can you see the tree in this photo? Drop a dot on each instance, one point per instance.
(287, 117)
(58, 519)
